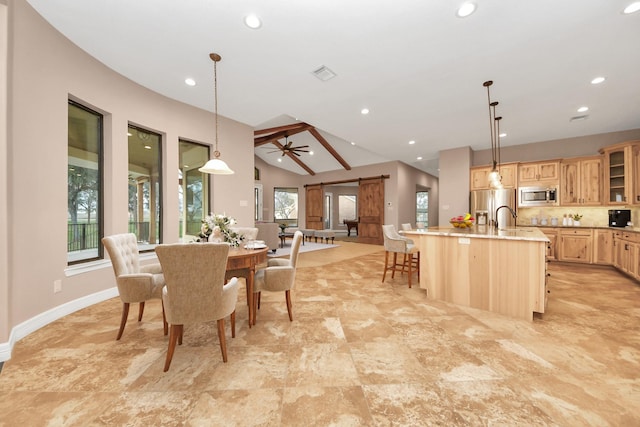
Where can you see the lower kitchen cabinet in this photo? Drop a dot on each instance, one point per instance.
(575, 245)
(626, 252)
(603, 246)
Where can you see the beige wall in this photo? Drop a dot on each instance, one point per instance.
(400, 188)
(45, 69)
(4, 206)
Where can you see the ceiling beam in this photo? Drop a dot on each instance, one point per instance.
(279, 128)
(294, 158)
(329, 148)
(262, 140)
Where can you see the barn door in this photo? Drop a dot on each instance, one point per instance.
(371, 211)
(314, 207)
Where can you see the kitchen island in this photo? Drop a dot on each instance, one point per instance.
(502, 271)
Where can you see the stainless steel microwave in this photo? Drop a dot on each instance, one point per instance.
(537, 196)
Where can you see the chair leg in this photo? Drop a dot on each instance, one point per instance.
(386, 264)
(165, 325)
(223, 343)
(395, 262)
(287, 294)
(123, 319)
(409, 266)
(176, 330)
(233, 324)
(140, 311)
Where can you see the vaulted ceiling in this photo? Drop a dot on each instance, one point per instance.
(415, 65)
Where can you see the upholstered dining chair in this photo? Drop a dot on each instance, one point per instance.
(406, 226)
(195, 290)
(279, 275)
(136, 283)
(397, 244)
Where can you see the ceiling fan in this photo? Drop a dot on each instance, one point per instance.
(288, 148)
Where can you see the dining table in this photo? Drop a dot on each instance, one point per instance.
(242, 262)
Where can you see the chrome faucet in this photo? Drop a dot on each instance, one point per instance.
(513, 213)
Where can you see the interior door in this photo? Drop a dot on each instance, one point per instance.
(314, 207)
(371, 211)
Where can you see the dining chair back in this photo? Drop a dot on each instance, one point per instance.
(136, 283)
(279, 275)
(195, 290)
(396, 244)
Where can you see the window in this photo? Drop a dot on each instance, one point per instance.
(347, 207)
(285, 204)
(422, 207)
(84, 184)
(257, 202)
(327, 210)
(193, 188)
(145, 178)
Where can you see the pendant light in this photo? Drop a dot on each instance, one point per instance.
(494, 178)
(216, 165)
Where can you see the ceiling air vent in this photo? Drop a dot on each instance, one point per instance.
(579, 118)
(324, 74)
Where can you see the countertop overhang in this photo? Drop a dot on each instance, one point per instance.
(484, 232)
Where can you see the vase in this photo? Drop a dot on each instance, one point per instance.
(576, 223)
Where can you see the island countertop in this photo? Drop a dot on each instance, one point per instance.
(484, 232)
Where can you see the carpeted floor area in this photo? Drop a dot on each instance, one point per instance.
(359, 352)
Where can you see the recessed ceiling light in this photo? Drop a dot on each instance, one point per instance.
(597, 80)
(364, 111)
(583, 109)
(632, 8)
(466, 9)
(412, 142)
(189, 81)
(311, 153)
(252, 21)
(418, 158)
(502, 135)
(353, 143)
(279, 160)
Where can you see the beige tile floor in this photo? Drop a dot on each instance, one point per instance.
(358, 353)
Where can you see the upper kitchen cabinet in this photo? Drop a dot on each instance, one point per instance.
(617, 174)
(580, 181)
(545, 174)
(478, 176)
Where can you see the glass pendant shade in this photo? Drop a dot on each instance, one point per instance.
(216, 167)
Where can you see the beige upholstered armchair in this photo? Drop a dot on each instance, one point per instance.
(136, 283)
(279, 275)
(397, 244)
(247, 233)
(268, 231)
(195, 290)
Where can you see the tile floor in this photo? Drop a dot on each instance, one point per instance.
(358, 353)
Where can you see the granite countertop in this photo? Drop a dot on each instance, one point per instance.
(586, 227)
(484, 232)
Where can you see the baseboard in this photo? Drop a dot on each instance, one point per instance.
(25, 328)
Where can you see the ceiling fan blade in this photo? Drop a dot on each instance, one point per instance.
(299, 147)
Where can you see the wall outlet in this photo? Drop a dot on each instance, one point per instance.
(57, 286)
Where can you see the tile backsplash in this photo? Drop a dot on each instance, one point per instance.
(591, 216)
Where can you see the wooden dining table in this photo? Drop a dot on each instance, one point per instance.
(242, 262)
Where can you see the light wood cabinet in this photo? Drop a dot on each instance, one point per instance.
(617, 174)
(626, 252)
(545, 173)
(479, 181)
(603, 246)
(552, 251)
(575, 245)
(635, 159)
(580, 182)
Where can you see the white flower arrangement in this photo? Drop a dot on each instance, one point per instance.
(218, 225)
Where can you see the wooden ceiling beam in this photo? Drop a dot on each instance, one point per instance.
(279, 128)
(262, 140)
(329, 148)
(295, 159)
